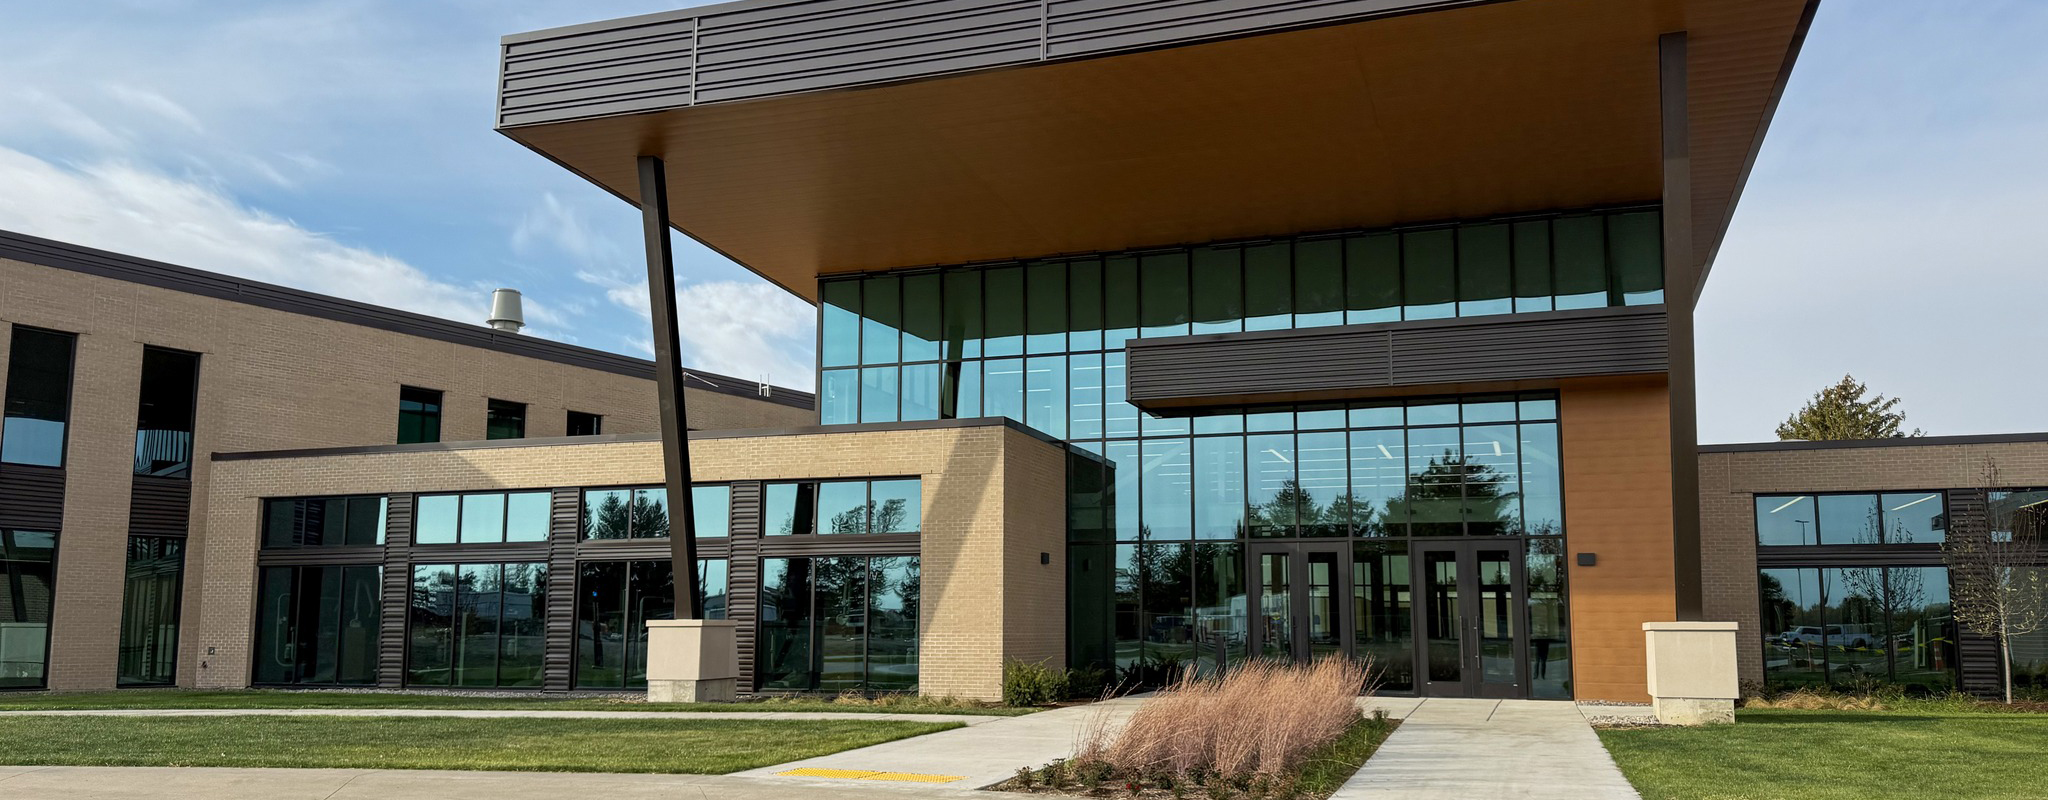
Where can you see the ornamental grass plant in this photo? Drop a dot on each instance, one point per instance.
(1257, 723)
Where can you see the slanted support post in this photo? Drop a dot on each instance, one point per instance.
(668, 379)
(1681, 284)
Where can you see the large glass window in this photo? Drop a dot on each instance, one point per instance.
(843, 506)
(1852, 627)
(838, 623)
(419, 415)
(38, 401)
(324, 521)
(642, 513)
(615, 599)
(1851, 518)
(163, 419)
(150, 600)
(481, 518)
(477, 625)
(28, 593)
(318, 625)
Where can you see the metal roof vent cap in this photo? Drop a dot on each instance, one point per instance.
(505, 312)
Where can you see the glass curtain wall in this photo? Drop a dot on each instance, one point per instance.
(838, 623)
(477, 625)
(642, 512)
(149, 610)
(28, 591)
(1042, 343)
(615, 599)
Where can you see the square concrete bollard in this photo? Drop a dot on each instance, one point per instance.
(1692, 672)
(692, 661)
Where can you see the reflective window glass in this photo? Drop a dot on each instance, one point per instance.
(1321, 471)
(923, 302)
(1532, 266)
(1635, 245)
(526, 516)
(920, 392)
(483, 518)
(37, 408)
(1003, 388)
(1219, 487)
(1271, 491)
(839, 323)
(878, 394)
(435, 518)
(1849, 519)
(1163, 285)
(1045, 394)
(711, 511)
(1165, 489)
(1483, 285)
(1084, 309)
(1119, 301)
(898, 506)
(1579, 253)
(839, 396)
(843, 507)
(1084, 382)
(1429, 274)
(1218, 290)
(1379, 479)
(1542, 476)
(1372, 284)
(1785, 520)
(1435, 469)
(1318, 282)
(1268, 287)
(1004, 314)
(1912, 517)
(961, 315)
(1045, 305)
(1124, 465)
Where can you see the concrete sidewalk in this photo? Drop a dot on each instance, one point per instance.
(219, 783)
(1505, 749)
(793, 716)
(963, 758)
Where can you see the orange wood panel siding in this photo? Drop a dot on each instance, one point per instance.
(1617, 504)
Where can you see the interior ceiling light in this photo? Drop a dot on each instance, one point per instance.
(1788, 504)
(1915, 503)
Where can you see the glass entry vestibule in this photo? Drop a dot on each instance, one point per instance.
(1451, 618)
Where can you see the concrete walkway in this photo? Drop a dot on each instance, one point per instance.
(963, 758)
(651, 716)
(220, 783)
(1504, 749)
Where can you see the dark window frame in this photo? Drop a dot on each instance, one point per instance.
(504, 517)
(1884, 518)
(440, 406)
(632, 490)
(299, 520)
(191, 430)
(499, 413)
(70, 390)
(816, 507)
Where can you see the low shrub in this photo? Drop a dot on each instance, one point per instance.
(1034, 684)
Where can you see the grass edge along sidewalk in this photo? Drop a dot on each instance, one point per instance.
(196, 699)
(652, 744)
(1838, 755)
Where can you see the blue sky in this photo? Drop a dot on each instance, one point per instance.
(345, 146)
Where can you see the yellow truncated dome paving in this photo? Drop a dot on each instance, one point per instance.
(869, 775)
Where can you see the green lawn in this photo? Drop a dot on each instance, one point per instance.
(550, 745)
(186, 698)
(1823, 755)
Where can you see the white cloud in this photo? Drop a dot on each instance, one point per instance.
(129, 209)
(744, 329)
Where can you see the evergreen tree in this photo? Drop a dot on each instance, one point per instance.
(1840, 412)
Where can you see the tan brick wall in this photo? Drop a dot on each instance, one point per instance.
(1729, 483)
(985, 596)
(268, 380)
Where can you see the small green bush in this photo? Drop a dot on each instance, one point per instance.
(1028, 684)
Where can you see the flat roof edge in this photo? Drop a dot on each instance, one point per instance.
(631, 438)
(162, 275)
(1852, 444)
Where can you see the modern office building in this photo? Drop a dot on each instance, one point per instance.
(1150, 335)
(122, 376)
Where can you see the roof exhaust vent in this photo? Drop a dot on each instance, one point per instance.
(505, 312)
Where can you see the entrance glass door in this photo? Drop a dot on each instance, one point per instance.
(1471, 613)
(1300, 609)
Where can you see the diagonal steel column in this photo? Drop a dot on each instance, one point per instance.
(668, 377)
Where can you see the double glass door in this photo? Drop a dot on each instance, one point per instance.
(1299, 591)
(1470, 598)
(1468, 602)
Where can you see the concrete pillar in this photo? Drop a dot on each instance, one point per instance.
(1692, 671)
(692, 661)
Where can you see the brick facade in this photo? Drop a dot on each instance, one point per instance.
(1730, 481)
(269, 379)
(994, 498)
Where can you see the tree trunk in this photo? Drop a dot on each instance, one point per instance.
(2005, 665)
